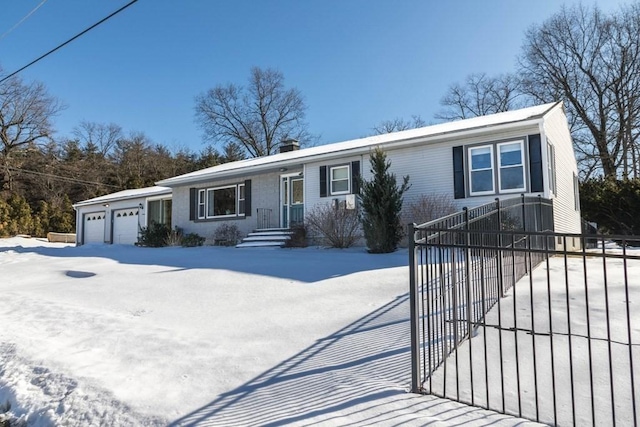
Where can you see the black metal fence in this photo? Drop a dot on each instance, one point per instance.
(264, 218)
(508, 317)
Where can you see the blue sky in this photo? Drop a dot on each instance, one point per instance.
(356, 62)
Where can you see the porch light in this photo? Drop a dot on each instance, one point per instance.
(283, 169)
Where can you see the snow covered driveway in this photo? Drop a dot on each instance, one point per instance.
(119, 335)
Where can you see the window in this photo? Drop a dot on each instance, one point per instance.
(220, 201)
(241, 199)
(551, 168)
(481, 179)
(511, 171)
(159, 211)
(340, 180)
(201, 203)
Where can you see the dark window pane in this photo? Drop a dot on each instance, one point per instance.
(511, 178)
(224, 201)
(510, 154)
(480, 158)
(481, 181)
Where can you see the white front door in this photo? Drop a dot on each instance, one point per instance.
(125, 226)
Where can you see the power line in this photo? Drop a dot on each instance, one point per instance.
(23, 19)
(69, 41)
(61, 178)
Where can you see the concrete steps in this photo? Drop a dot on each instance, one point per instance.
(261, 238)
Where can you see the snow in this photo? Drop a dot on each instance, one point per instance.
(554, 302)
(296, 157)
(126, 194)
(121, 335)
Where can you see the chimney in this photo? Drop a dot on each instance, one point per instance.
(287, 145)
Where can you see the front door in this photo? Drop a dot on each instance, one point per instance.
(292, 196)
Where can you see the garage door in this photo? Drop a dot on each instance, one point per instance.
(125, 226)
(93, 227)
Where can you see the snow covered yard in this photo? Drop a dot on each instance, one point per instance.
(563, 331)
(117, 335)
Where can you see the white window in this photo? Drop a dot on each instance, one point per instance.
(339, 180)
(481, 171)
(201, 203)
(511, 170)
(241, 199)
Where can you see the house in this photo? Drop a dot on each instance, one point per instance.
(118, 217)
(473, 160)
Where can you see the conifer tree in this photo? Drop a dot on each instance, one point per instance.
(381, 201)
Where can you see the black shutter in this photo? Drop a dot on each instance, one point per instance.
(193, 203)
(458, 172)
(323, 181)
(247, 197)
(355, 177)
(535, 163)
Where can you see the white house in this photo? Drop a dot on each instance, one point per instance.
(118, 217)
(527, 151)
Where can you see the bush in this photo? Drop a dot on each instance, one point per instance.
(191, 240)
(381, 200)
(428, 207)
(336, 225)
(227, 235)
(154, 236)
(298, 238)
(175, 237)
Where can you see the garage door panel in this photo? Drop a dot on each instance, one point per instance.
(125, 226)
(93, 227)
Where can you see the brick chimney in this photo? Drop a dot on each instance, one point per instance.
(287, 145)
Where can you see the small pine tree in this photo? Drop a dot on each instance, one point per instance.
(21, 221)
(381, 201)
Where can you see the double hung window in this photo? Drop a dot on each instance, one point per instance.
(340, 180)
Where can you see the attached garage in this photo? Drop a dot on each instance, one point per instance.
(125, 226)
(93, 226)
(117, 218)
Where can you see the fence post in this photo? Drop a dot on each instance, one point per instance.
(500, 253)
(524, 229)
(414, 312)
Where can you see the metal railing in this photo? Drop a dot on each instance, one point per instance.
(510, 318)
(264, 217)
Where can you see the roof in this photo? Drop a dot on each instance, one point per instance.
(386, 141)
(126, 194)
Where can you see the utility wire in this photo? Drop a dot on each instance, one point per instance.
(61, 178)
(69, 41)
(23, 19)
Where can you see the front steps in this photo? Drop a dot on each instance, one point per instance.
(267, 237)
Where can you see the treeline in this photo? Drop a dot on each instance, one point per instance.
(42, 181)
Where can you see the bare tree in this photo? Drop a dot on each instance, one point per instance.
(592, 62)
(102, 136)
(26, 111)
(257, 117)
(396, 125)
(479, 95)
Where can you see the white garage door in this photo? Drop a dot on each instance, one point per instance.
(93, 227)
(125, 226)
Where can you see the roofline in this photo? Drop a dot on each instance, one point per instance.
(105, 198)
(391, 145)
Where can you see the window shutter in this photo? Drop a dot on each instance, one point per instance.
(458, 172)
(535, 163)
(193, 202)
(323, 181)
(247, 197)
(355, 177)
